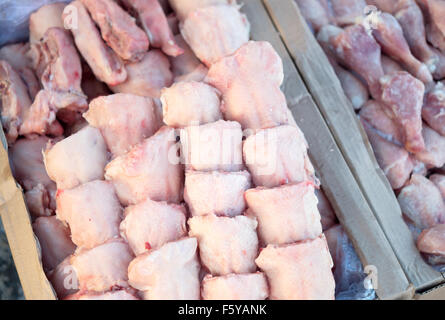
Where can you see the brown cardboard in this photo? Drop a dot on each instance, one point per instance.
(338, 113)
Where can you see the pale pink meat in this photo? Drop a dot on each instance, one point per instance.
(433, 110)
(45, 17)
(348, 11)
(389, 65)
(77, 159)
(384, 5)
(118, 29)
(436, 9)
(213, 146)
(104, 267)
(286, 214)
(255, 102)
(151, 224)
(92, 212)
(432, 241)
(123, 119)
(314, 13)
(222, 26)
(226, 244)
(354, 88)
(169, 273)
(278, 156)
(421, 202)
(190, 103)
(301, 271)
(251, 286)
(106, 65)
(111, 295)
(328, 217)
(150, 169)
(54, 239)
(146, 77)
(155, 23)
(220, 193)
(184, 8)
(439, 181)
(434, 153)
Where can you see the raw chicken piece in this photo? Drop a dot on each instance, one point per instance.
(15, 101)
(40, 201)
(353, 87)
(384, 5)
(300, 271)
(402, 95)
(153, 20)
(187, 65)
(111, 295)
(151, 224)
(106, 65)
(251, 286)
(439, 181)
(123, 119)
(361, 53)
(432, 242)
(436, 9)
(394, 160)
(77, 159)
(433, 111)
(389, 35)
(184, 8)
(226, 244)
(285, 214)
(434, 153)
(118, 29)
(422, 202)
(104, 267)
(255, 102)
(328, 217)
(151, 169)
(46, 17)
(435, 36)
(92, 211)
(219, 193)
(54, 239)
(169, 273)
(214, 32)
(348, 11)
(64, 279)
(213, 146)
(190, 103)
(390, 66)
(278, 156)
(147, 77)
(314, 13)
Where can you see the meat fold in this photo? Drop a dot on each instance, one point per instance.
(151, 224)
(226, 245)
(251, 286)
(124, 120)
(46, 17)
(278, 156)
(151, 169)
(118, 29)
(169, 273)
(421, 202)
(155, 24)
(286, 214)
(106, 65)
(255, 102)
(222, 26)
(219, 193)
(92, 211)
(146, 77)
(300, 271)
(190, 103)
(213, 146)
(77, 159)
(104, 267)
(54, 239)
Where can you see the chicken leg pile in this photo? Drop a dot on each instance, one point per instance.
(395, 55)
(158, 157)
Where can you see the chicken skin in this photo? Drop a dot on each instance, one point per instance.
(434, 153)
(432, 242)
(92, 211)
(169, 273)
(64, 279)
(221, 25)
(219, 193)
(151, 224)
(432, 110)
(226, 245)
(439, 181)
(77, 159)
(184, 8)
(348, 11)
(150, 169)
(314, 13)
(46, 17)
(251, 286)
(124, 120)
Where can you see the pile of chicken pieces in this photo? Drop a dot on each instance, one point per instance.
(390, 59)
(158, 157)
